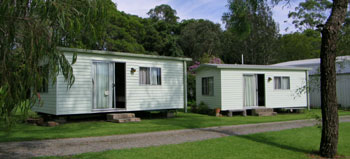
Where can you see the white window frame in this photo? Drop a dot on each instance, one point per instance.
(280, 86)
(150, 79)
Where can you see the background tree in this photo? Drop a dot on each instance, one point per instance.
(330, 120)
(334, 41)
(163, 18)
(31, 31)
(253, 31)
(125, 32)
(343, 47)
(163, 12)
(310, 13)
(200, 36)
(297, 46)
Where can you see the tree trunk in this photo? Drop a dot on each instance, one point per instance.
(330, 120)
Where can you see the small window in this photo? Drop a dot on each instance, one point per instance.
(44, 71)
(282, 83)
(150, 76)
(208, 86)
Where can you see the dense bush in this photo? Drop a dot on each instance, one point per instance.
(202, 108)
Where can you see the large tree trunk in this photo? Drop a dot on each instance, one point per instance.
(330, 120)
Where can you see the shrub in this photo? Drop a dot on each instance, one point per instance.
(192, 105)
(202, 108)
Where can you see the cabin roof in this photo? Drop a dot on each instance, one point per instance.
(309, 61)
(253, 67)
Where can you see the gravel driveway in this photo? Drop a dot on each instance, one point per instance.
(71, 146)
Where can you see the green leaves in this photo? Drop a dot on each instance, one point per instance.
(199, 37)
(163, 12)
(310, 13)
(299, 46)
(31, 31)
(251, 31)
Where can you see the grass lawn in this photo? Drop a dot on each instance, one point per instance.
(291, 144)
(22, 132)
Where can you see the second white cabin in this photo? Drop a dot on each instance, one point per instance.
(238, 87)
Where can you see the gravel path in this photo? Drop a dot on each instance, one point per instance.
(71, 146)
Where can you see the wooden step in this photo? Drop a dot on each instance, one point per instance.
(126, 120)
(266, 114)
(115, 116)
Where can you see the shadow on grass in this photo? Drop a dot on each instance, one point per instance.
(261, 138)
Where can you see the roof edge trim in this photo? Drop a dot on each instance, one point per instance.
(101, 52)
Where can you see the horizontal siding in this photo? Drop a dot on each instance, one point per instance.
(232, 89)
(286, 98)
(48, 100)
(78, 98)
(343, 90)
(211, 101)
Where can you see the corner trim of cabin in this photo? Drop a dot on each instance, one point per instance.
(56, 96)
(307, 90)
(185, 85)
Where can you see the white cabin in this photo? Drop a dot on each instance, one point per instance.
(238, 87)
(117, 82)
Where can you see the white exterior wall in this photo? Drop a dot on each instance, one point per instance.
(48, 100)
(78, 99)
(212, 101)
(232, 89)
(343, 90)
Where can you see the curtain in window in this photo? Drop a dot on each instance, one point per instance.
(144, 75)
(285, 83)
(102, 85)
(249, 90)
(154, 76)
(277, 82)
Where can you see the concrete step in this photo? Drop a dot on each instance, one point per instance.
(258, 110)
(266, 114)
(115, 116)
(126, 120)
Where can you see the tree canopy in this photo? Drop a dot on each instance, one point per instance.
(253, 32)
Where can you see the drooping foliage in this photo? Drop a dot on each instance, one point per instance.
(31, 31)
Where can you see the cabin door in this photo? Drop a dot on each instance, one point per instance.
(254, 90)
(103, 77)
(119, 86)
(249, 90)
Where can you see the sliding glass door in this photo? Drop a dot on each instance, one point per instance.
(254, 90)
(249, 92)
(102, 85)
